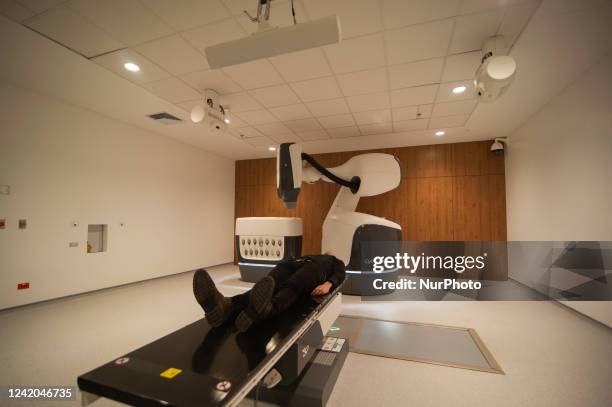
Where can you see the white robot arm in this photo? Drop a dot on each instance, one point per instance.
(364, 175)
(344, 230)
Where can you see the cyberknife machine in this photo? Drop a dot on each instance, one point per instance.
(345, 232)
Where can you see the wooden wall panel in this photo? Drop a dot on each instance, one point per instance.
(448, 192)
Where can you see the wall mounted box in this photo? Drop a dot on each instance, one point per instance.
(262, 243)
(97, 238)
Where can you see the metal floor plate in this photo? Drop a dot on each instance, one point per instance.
(436, 344)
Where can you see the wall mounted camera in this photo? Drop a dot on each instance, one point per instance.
(499, 145)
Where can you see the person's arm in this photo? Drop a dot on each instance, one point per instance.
(338, 274)
(335, 278)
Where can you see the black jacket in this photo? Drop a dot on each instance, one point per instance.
(332, 268)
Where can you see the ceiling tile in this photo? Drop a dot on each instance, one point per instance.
(303, 125)
(273, 129)
(477, 6)
(317, 89)
(114, 61)
(328, 107)
(453, 108)
(368, 102)
(341, 132)
(358, 83)
(515, 20)
(260, 141)
(401, 13)
(190, 104)
(356, 54)
(39, 6)
(240, 102)
(14, 11)
(472, 31)
(418, 42)
(291, 112)
(172, 90)
(313, 135)
(275, 96)
(286, 138)
(303, 65)
(73, 31)
(410, 125)
(373, 116)
(445, 91)
(461, 66)
(358, 17)
(235, 121)
(248, 132)
(127, 20)
(185, 14)
(174, 54)
(257, 116)
(211, 79)
(212, 34)
(420, 95)
(254, 74)
(448, 121)
(378, 128)
(416, 73)
(411, 112)
(341, 120)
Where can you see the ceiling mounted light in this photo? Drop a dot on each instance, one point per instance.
(226, 120)
(440, 133)
(132, 67)
(459, 89)
(270, 41)
(272, 148)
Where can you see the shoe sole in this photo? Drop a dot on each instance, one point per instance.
(205, 290)
(260, 296)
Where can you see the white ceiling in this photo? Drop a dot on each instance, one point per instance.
(388, 83)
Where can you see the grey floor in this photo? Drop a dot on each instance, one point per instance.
(551, 356)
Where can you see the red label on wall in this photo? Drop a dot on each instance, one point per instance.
(23, 286)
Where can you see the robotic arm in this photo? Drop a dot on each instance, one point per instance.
(362, 175)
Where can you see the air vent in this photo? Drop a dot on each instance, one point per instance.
(165, 118)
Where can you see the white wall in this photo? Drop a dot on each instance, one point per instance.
(559, 171)
(66, 164)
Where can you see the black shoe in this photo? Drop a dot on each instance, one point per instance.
(259, 304)
(217, 308)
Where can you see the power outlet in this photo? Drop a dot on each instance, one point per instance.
(73, 244)
(5, 190)
(23, 223)
(2, 223)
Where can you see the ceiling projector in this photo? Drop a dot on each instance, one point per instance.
(210, 112)
(269, 41)
(496, 72)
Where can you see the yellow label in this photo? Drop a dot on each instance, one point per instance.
(170, 373)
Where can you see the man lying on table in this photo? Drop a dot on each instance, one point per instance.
(308, 275)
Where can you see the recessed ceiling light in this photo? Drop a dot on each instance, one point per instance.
(459, 89)
(272, 148)
(132, 67)
(226, 120)
(440, 133)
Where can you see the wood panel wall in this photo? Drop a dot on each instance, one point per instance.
(447, 192)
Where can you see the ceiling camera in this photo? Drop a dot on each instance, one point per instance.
(498, 146)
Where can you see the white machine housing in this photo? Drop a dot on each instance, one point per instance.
(344, 230)
(496, 72)
(263, 242)
(210, 113)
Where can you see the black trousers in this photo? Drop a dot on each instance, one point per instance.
(292, 279)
